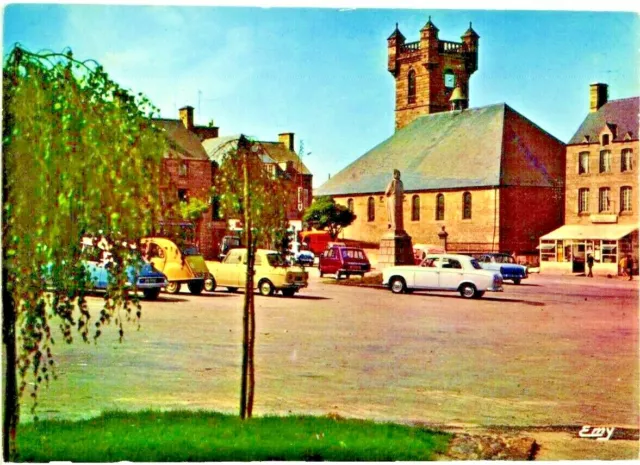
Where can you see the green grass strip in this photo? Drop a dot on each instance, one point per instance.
(179, 436)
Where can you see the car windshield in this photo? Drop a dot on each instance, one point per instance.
(352, 253)
(275, 259)
(504, 259)
(475, 264)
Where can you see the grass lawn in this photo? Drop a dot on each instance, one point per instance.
(178, 436)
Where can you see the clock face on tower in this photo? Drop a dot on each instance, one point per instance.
(449, 79)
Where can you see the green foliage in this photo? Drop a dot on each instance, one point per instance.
(193, 209)
(267, 193)
(211, 437)
(80, 157)
(325, 213)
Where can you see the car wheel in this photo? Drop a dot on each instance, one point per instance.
(398, 286)
(265, 287)
(173, 287)
(151, 294)
(288, 292)
(516, 281)
(196, 287)
(210, 284)
(478, 294)
(232, 289)
(468, 291)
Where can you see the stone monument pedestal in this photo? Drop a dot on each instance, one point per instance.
(395, 249)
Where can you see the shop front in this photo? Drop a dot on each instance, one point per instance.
(566, 249)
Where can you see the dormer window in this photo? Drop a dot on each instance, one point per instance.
(605, 139)
(586, 139)
(627, 136)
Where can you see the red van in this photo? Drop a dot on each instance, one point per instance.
(316, 241)
(341, 260)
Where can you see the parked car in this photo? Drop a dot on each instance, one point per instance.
(443, 272)
(181, 265)
(315, 241)
(505, 264)
(96, 259)
(272, 273)
(301, 256)
(228, 243)
(342, 260)
(420, 251)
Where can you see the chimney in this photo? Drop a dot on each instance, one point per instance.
(186, 115)
(286, 138)
(598, 96)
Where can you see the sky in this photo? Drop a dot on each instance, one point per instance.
(322, 73)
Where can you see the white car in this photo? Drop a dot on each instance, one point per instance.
(443, 272)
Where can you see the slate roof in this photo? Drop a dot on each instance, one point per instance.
(182, 143)
(448, 150)
(622, 113)
(276, 152)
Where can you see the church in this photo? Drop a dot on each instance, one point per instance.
(481, 179)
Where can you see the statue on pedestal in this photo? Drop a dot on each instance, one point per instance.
(395, 194)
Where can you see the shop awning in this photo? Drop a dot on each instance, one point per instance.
(591, 231)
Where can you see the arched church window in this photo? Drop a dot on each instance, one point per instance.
(371, 209)
(411, 83)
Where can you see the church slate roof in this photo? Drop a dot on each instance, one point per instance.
(623, 113)
(448, 150)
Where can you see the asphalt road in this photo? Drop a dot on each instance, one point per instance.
(552, 351)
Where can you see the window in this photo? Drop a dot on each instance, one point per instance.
(215, 208)
(183, 196)
(626, 160)
(449, 79)
(183, 169)
(466, 206)
(583, 163)
(547, 251)
(604, 203)
(583, 200)
(605, 139)
(415, 208)
(350, 205)
(440, 207)
(609, 251)
(371, 209)
(411, 85)
(625, 199)
(605, 161)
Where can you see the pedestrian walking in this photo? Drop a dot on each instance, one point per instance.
(590, 265)
(630, 266)
(622, 266)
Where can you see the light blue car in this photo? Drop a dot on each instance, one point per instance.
(97, 262)
(505, 264)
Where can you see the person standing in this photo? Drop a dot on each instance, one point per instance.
(590, 265)
(630, 267)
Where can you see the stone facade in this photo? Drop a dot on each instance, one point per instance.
(615, 179)
(437, 67)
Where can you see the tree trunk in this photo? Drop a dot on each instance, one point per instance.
(11, 405)
(252, 339)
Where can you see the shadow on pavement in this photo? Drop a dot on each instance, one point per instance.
(482, 299)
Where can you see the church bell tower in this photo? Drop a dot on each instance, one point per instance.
(428, 71)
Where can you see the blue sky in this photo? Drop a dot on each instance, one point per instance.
(321, 73)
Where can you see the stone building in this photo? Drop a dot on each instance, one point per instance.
(281, 160)
(492, 178)
(601, 214)
(187, 173)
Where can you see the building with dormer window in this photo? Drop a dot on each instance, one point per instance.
(601, 208)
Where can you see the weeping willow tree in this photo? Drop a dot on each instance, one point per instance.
(80, 157)
(247, 190)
